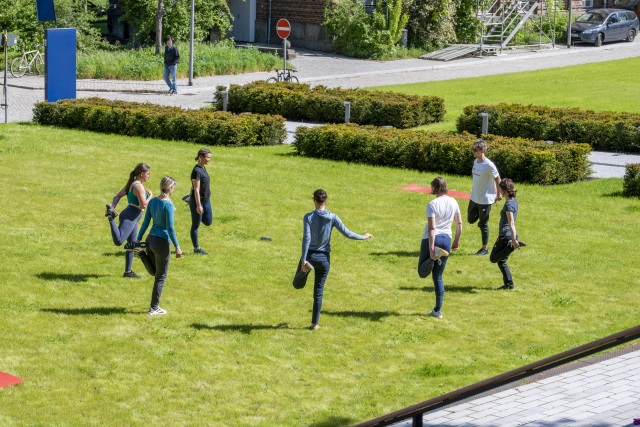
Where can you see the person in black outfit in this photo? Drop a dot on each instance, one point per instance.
(171, 58)
(199, 198)
(507, 236)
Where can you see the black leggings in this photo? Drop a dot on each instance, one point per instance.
(500, 254)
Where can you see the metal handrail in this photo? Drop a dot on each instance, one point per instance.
(417, 411)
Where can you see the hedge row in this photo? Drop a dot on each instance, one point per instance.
(631, 185)
(605, 130)
(520, 159)
(156, 121)
(299, 102)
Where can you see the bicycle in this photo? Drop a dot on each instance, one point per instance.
(283, 76)
(21, 64)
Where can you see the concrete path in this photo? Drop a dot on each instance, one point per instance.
(601, 391)
(338, 71)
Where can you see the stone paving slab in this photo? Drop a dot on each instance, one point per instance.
(604, 403)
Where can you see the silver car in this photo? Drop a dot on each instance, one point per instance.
(599, 25)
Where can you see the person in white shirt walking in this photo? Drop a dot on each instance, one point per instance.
(436, 240)
(484, 193)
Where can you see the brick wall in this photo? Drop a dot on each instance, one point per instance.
(309, 11)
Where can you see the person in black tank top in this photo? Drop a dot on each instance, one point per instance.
(199, 198)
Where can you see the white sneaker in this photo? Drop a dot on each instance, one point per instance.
(153, 312)
(436, 314)
(440, 252)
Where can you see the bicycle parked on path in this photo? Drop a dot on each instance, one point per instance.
(22, 64)
(283, 76)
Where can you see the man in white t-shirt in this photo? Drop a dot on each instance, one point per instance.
(483, 193)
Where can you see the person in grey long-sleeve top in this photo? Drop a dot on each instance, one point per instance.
(316, 249)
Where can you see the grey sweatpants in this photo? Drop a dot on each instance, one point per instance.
(159, 250)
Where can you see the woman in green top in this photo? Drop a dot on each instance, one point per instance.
(138, 197)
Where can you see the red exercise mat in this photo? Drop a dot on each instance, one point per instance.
(417, 188)
(7, 380)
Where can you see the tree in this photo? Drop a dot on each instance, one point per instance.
(175, 20)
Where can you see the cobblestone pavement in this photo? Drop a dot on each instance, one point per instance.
(598, 394)
(333, 71)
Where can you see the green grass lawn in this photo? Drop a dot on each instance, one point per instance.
(603, 86)
(234, 348)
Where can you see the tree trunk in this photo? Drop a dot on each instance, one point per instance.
(159, 14)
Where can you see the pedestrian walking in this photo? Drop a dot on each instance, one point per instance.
(507, 235)
(436, 240)
(316, 250)
(157, 252)
(483, 193)
(200, 198)
(138, 197)
(171, 59)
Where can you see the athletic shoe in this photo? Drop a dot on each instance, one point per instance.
(505, 288)
(314, 327)
(131, 275)
(135, 246)
(111, 212)
(175, 92)
(482, 252)
(440, 252)
(522, 244)
(154, 311)
(199, 251)
(436, 314)
(170, 91)
(308, 266)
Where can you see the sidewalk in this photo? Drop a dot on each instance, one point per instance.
(600, 391)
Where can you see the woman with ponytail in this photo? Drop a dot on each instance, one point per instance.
(158, 245)
(507, 236)
(138, 197)
(199, 198)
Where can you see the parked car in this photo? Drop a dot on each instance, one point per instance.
(599, 25)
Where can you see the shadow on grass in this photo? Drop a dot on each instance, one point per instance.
(375, 316)
(100, 311)
(398, 253)
(614, 194)
(68, 277)
(447, 288)
(115, 254)
(334, 421)
(245, 329)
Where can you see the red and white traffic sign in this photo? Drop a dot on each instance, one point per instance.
(283, 28)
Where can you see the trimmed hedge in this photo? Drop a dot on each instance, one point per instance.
(299, 102)
(605, 130)
(156, 121)
(522, 160)
(631, 185)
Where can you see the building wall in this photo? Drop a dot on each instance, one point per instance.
(305, 17)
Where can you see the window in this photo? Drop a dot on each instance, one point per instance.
(630, 16)
(588, 3)
(622, 16)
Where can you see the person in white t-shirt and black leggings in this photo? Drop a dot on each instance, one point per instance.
(436, 240)
(484, 192)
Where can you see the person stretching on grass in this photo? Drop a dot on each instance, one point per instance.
(316, 249)
(483, 192)
(507, 236)
(137, 197)
(199, 198)
(436, 240)
(158, 245)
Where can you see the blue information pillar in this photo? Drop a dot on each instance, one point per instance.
(59, 64)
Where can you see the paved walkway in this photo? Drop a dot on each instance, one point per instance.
(338, 71)
(601, 392)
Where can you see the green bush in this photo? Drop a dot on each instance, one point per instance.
(300, 102)
(520, 159)
(605, 130)
(631, 185)
(155, 121)
(356, 33)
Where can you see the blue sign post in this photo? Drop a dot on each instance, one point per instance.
(59, 64)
